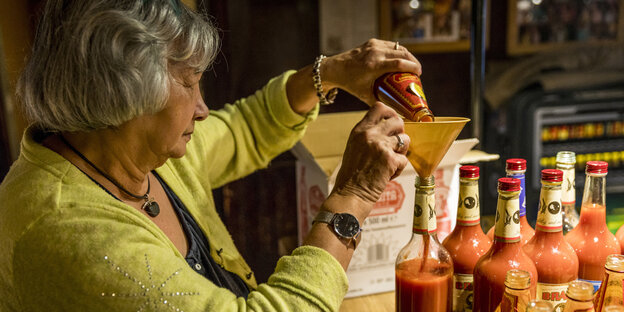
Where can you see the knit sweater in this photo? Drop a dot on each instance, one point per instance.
(67, 245)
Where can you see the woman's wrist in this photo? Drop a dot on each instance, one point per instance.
(351, 204)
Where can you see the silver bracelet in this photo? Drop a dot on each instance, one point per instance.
(316, 76)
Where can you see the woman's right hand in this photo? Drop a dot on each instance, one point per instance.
(373, 157)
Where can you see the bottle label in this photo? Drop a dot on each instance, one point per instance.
(507, 222)
(568, 195)
(468, 209)
(425, 220)
(595, 283)
(553, 293)
(549, 216)
(462, 292)
(521, 177)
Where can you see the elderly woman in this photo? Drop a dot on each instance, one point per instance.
(109, 206)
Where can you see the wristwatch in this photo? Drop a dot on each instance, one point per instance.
(345, 225)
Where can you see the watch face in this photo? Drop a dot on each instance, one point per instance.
(346, 225)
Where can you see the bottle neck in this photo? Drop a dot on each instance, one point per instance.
(520, 175)
(507, 222)
(468, 207)
(568, 189)
(594, 190)
(549, 213)
(425, 221)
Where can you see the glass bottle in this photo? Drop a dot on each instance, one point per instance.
(580, 295)
(516, 168)
(517, 294)
(613, 308)
(620, 237)
(404, 93)
(506, 252)
(591, 238)
(611, 290)
(424, 269)
(566, 162)
(539, 306)
(467, 242)
(555, 260)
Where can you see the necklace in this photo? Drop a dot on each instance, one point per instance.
(150, 206)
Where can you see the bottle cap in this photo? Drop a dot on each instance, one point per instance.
(539, 306)
(516, 164)
(509, 184)
(552, 175)
(468, 172)
(566, 157)
(615, 263)
(596, 167)
(580, 290)
(518, 279)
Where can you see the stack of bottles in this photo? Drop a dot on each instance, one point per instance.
(569, 262)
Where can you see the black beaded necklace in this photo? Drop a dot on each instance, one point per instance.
(150, 206)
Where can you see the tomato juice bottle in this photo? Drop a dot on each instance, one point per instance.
(580, 295)
(591, 238)
(555, 260)
(506, 252)
(611, 290)
(516, 168)
(424, 269)
(517, 294)
(566, 162)
(467, 242)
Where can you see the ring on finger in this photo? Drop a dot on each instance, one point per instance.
(400, 143)
(396, 45)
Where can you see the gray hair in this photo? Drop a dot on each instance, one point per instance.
(99, 63)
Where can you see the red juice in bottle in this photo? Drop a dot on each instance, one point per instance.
(467, 242)
(424, 269)
(506, 252)
(555, 260)
(591, 238)
(516, 168)
(620, 237)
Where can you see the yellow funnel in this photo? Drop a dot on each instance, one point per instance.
(430, 141)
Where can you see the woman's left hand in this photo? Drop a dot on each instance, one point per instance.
(355, 70)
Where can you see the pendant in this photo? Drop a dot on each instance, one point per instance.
(151, 207)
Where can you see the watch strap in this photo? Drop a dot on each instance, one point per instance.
(328, 217)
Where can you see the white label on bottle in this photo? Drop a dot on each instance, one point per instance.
(553, 293)
(462, 292)
(568, 194)
(507, 223)
(425, 220)
(468, 206)
(549, 213)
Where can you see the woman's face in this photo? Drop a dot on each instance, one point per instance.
(169, 130)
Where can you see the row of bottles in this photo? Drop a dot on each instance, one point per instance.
(467, 271)
(614, 158)
(592, 130)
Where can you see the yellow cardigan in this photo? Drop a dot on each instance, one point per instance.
(67, 245)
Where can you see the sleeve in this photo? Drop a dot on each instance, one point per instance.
(244, 136)
(118, 264)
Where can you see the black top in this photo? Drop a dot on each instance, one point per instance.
(198, 256)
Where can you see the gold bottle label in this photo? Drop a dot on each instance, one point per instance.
(549, 213)
(507, 224)
(462, 292)
(553, 293)
(425, 220)
(568, 195)
(468, 209)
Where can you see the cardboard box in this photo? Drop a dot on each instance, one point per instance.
(389, 226)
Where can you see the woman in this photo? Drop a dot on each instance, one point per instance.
(109, 206)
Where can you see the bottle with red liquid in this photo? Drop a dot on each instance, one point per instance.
(516, 168)
(566, 162)
(611, 292)
(517, 295)
(424, 269)
(580, 295)
(506, 252)
(591, 238)
(555, 260)
(620, 237)
(404, 93)
(467, 242)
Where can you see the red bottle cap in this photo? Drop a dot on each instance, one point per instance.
(509, 184)
(552, 175)
(596, 167)
(468, 172)
(516, 164)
